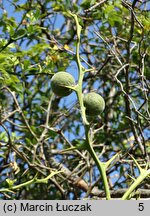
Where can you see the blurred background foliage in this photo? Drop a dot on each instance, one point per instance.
(38, 39)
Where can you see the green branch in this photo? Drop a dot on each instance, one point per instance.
(32, 181)
(141, 177)
(143, 174)
(101, 166)
(81, 70)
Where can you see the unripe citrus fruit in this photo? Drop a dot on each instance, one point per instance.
(94, 104)
(59, 81)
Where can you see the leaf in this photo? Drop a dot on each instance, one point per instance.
(52, 133)
(86, 3)
(37, 14)
(66, 47)
(3, 57)
(3, 136)
(10, 182)
(112, 15)
(19, 34)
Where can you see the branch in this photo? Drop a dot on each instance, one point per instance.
(95, 6)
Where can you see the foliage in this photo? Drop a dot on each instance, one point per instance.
(105, 47)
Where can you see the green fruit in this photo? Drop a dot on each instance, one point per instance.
(59, 81)
(94, 104)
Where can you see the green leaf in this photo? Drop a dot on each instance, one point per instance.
(3, 57)
(19, 34)
(10, 182)
(80, 144)
(37, 14)
(86, 3)
(3, 136)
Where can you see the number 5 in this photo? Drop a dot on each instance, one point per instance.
(141, 206)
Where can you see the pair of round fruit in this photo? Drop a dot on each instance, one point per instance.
(93, 102)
